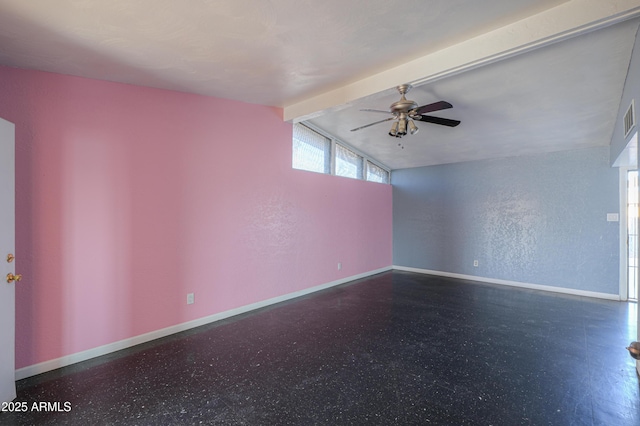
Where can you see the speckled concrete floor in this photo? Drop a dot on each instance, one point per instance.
(396, 348)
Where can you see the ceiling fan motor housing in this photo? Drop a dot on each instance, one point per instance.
(403, 105)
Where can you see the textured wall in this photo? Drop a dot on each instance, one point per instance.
(537, 220)
(128, 198)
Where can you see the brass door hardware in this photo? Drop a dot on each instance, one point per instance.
(10, 258)
(11, 278)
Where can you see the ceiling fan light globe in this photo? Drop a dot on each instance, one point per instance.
(394, 129)
(402, 127)
(413, 129)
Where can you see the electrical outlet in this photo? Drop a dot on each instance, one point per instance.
(190, 298)
(339, 266)
(475, 263)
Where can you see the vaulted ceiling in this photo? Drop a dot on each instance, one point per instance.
(524, 76)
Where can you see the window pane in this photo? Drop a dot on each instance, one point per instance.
(376, 174)
(348, 163)
(311, 150)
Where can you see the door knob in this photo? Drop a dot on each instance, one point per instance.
(11, 278)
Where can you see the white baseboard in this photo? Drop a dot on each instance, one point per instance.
(43, 367)
(563, 290)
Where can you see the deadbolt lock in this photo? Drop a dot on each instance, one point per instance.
(10, 258)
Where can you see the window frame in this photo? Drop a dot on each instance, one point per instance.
(360, 168)
(365, 171)
(326, 161)
(365, 158)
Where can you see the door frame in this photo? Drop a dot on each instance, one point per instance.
(624, 250)
(7, 243)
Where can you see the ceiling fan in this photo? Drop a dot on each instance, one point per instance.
(406, 111)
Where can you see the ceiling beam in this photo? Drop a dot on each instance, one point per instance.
(569, 19)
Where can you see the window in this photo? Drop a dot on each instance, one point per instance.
(376, 173)
(348, 163)
(316, 151)
(311, 150)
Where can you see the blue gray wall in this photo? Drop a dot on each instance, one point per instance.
(536, 220)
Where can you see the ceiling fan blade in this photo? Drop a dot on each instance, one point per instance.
(376, 110)
(372, 124)
(437, 120)
(436, 106)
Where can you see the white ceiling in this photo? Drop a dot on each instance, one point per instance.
(524, 76)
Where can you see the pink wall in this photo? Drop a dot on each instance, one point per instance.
(128, 198)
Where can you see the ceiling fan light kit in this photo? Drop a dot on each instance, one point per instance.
(406, 111)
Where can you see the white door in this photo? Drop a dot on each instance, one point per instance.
(7, 247)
